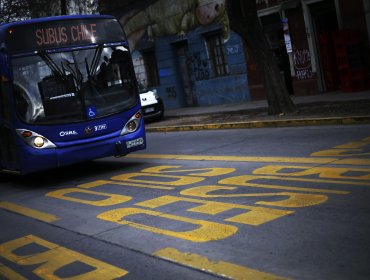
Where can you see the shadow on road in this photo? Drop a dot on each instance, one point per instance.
(103, 168)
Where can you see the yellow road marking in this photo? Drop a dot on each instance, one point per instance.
(293, 200)
(254, 215)
(340, 153)
(205, 231)
(221, 268)
(348, 149)
(171, 180)
(28, 212)
(296, 171)
(323, 181)
(48, 262)
(8, 273)
(122, 183)
(308, 160)
(107, 199)
(244, 180)
(207, 171)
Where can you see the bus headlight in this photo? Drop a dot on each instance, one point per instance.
(35, 140)
(133, 124)
(38, 142)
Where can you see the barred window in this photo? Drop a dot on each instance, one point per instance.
(217, 55)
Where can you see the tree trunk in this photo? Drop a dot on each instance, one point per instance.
(244, 21)
(63, 7)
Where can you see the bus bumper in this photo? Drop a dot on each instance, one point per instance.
(33, 160)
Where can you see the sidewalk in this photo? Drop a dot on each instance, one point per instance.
(243, 114)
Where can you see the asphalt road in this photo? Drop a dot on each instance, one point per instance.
(268, 203)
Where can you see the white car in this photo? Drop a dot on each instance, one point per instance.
(151, 103)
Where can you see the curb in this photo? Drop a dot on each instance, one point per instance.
(265, 123)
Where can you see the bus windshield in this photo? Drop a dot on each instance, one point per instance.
(73, 86)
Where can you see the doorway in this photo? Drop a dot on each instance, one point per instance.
(325, 23)
(181, 53)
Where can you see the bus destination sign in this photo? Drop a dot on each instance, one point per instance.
(57, 34)
(66, 35)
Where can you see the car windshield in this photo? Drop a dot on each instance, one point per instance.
(73, 86)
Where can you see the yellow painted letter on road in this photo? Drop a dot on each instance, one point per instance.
(252, 215)
(207, 172)
(108, 198)
(246, 181)
(10, 274)
(205, 231)
(339, 153)
(355, 144)
(55, 257)
(161, 179)
(347, 149)
(289, 199)
(322, 172)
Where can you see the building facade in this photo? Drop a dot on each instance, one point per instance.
(186, 50)
(321, 45)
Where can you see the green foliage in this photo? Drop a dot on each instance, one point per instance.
(12, 10)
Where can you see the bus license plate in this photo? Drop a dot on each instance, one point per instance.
(149, 110)
(134, 143)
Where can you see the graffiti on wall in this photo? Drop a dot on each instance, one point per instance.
(234, 49)
(302, 64)
(168, 17)
(199, 66)
(171, 92)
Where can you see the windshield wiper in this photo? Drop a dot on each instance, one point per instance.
(52, 65)
(91, 71)
(75, 71)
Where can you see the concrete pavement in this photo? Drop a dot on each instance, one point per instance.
(195, 116)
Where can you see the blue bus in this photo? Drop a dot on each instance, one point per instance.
(68, 93)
